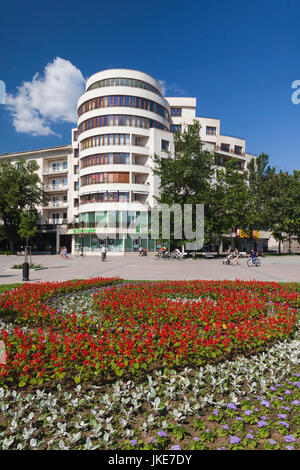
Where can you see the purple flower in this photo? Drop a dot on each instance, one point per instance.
(231, 406)
(234, 440)
(287, 392)
(283, 423)
(221, 448)
(265, 403)
(262, 423)
(248, 412)
(133, 442)
(161, 434)
(239, 418)
(283, 416)
(273, 389)
(196, 438)
(289, 448)
(272, 442)
(297, 384)
(152, 439)
(215, 412)
(250, 436)
(290, 438)
(177, 447)
(225, 426)
(287, 408)
(296, 402)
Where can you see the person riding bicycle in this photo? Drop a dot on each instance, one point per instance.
(229, 258)
(253, 254)
(177, 252)
(163, 250)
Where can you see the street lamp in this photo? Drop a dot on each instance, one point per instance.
(82, 225)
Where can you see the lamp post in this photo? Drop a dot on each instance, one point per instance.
(82, 225)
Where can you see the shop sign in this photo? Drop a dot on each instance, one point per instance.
(79, 231)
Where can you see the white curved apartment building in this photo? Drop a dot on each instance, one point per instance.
(123, 119)
(101, 187)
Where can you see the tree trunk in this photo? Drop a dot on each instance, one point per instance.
(12, 247)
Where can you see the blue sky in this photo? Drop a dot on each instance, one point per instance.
(237, 58)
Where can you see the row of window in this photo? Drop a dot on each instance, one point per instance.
(105, 139)
(107, 196)
(98, 178)
(176, 112)
(106, 159)
(119, 120)
(238, 150)
(118, 100)
(124, 82)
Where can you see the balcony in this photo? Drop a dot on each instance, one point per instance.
(57, 221)
(56, 187)
(54, 171)
(230, 151)
(55, 204)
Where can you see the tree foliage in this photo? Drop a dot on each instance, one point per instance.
(20, 190)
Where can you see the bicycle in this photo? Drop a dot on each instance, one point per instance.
(78, 252)
(177, 256)
(253, 262)
(161, 255)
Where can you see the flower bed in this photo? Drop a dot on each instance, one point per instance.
(139, 327)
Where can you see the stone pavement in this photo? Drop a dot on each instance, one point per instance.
(273, 268)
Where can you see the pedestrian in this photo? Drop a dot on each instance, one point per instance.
(141, 250)
(61, 252)
(236, 256)
(103, 253)
(65, 252)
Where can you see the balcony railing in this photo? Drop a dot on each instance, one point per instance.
(57, 221)
(56, 187)
(49, 171)
(230, 150)
(57, 204)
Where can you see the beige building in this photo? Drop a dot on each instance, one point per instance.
(101, 186)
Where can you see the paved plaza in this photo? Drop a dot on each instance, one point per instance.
(131, 267)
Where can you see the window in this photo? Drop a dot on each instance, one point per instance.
(176, 111)
(65, 165)
(225, 147)
(175, 128)
(165, 145)
(211, 130)
(238, 150)
(126, 82)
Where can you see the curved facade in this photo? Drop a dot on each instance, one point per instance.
(122, 120)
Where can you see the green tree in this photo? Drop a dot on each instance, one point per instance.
(21, 190)
(231, 194)
(285, 208)
(27, 227)
(186, 177)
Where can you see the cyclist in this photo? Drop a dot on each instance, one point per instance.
(253, 255)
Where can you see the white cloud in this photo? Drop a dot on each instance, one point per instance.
(172, 88)
(47, 99)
